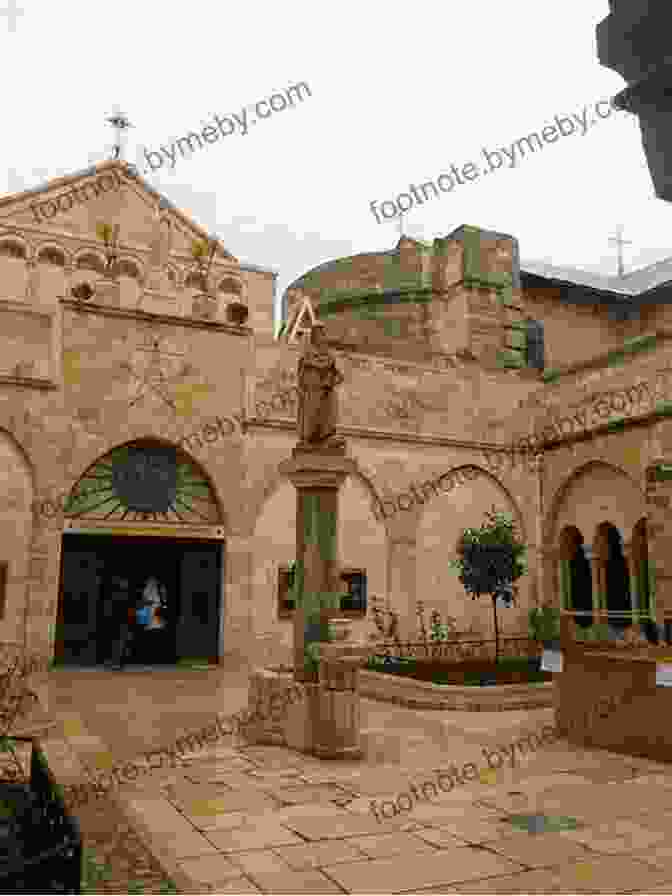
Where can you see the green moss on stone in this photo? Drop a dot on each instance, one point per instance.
(508, 358)
(640, 343)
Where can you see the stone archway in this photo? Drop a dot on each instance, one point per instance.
(593, 493)
(576, 590)
(143, 511)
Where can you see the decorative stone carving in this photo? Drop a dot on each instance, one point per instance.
(204, 307)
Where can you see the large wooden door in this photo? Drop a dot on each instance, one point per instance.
(197, 633)
(79, 604)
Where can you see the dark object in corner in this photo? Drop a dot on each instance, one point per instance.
(40, 842)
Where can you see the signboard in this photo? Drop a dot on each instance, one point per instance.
(664, 675)
(551, 661)
(159, 530)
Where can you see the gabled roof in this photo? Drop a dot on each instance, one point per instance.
(129, 170)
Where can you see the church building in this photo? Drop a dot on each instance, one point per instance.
(146, 406)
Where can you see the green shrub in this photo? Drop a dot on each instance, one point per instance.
(544, 623)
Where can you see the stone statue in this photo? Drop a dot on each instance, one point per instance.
(318, 378)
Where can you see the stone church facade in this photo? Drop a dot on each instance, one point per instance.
(143, 421)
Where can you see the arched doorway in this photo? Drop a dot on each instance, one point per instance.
(145, 510)
(614, 577)
(576, 576)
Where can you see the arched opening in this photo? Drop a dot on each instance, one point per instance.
(576, 576)
(108, 561)
(614, 578)
(639, 578)
(12, 249)
(51, 256)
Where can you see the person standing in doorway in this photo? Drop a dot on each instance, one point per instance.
(154, 598)
(119, 601)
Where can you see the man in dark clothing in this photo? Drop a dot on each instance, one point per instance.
(118, 607)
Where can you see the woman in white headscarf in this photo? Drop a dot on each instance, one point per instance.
(154, 597)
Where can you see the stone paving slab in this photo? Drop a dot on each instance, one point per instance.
(266, 819)
(411, 872)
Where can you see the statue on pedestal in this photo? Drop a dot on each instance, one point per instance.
(318, 378)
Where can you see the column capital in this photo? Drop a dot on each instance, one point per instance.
(307, 471)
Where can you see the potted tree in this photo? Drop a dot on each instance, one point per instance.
(490, 559)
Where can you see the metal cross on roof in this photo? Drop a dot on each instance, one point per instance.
(120, 123)
(620, 242)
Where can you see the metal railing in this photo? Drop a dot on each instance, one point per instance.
(457, 651)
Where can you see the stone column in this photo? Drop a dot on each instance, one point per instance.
(317, 476)
(598, 569)
(403, 584)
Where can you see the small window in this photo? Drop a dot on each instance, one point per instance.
(354, 581)
(285, 602)
(355, 584)
(535, 344)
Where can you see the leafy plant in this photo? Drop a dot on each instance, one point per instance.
(93, 872)
(391, 630)
(544, 623)
(312, 656)
(442, 631)
(491, 558)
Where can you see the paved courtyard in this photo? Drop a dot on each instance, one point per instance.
(247, 819)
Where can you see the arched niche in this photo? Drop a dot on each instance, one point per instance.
(443, 518)
(16, 526)
(50, 273)
(90, 261)
(129, 274)
(13, 268)
(576, 589)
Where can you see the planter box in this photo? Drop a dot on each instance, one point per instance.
(41, 850)
(425, 695)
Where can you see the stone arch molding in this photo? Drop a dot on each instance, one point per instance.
(452, 477)
(627, 502)
(92, 496)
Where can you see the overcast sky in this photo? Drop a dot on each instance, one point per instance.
(399, 94)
